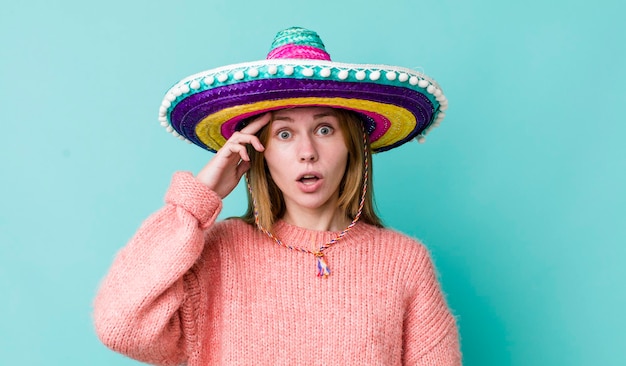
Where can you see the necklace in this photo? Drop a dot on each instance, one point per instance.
(322, 267)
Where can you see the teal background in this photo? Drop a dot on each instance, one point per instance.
(519, 194)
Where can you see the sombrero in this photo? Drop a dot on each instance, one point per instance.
(396, 104)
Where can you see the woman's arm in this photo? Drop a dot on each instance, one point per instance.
(137, 310)
(430, 333)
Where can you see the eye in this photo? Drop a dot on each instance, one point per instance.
(325, 130)
(283, 135)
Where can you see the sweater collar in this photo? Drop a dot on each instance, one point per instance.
(306, 238)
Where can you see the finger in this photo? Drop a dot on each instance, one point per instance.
(232, 152)
(239, 138)
(258, 123)
(242, 168)
(256, 143)
(241, 150)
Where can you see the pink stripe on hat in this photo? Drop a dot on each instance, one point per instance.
(298, 51)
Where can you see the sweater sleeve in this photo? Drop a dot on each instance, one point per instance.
(138, 310)
(430, 333)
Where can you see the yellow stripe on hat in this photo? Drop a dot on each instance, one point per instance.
(209, 129)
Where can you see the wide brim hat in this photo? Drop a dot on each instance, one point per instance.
(396, 104)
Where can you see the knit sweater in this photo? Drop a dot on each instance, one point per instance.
(189, 290)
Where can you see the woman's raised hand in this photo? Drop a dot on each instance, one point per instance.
(229, 164)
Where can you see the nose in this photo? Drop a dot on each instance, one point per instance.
(307, 151)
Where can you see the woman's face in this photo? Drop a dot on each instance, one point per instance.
(306, 155)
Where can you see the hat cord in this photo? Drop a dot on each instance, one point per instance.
(322, 267)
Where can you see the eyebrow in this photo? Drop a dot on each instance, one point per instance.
(316, 116)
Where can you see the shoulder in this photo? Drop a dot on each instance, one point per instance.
(232, 235)
(408, 255)
(231, 228)
(396, 241)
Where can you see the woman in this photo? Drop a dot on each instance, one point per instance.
(187, 289)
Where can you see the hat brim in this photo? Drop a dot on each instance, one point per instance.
(397, 104)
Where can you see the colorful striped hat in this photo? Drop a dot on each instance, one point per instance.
(396, 104)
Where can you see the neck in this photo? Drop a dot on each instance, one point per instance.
(331, 219)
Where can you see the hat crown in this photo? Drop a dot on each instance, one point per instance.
(298, 43)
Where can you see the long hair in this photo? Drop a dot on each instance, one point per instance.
(269, 199)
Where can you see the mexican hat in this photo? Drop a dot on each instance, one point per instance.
(396, 104)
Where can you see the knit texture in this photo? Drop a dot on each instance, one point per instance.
(187, 290)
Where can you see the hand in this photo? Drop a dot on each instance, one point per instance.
(223, 172)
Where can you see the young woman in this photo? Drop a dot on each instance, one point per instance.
(308, 275)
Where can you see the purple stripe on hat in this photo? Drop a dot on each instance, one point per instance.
(189, 111)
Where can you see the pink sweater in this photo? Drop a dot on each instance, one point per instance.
(188, 290)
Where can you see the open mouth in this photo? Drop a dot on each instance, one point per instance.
(308, 179)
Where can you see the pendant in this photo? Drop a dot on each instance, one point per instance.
(322, 267)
